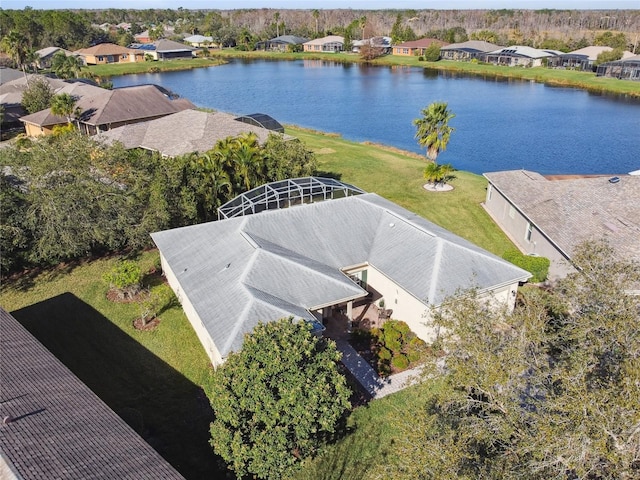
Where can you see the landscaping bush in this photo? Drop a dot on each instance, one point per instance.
(384, 354)
(124, 278)
(537, 266)
(400, 362)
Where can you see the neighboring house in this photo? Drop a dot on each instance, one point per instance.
(102, 110)
(11, 94)
(581, 59)
(109, 53)
(143, 37)
(383, 43)
(9, 74)
(550, 217)
(283, 43)
(313, 259)
(416, 47)
(45, 55)
(626, 69)
(183, 132)
(332, 43)
(199, 41)
(518, 56)
(54, 426)
(165, 49)
(467, 50)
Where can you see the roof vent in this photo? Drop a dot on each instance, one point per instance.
(614, 179)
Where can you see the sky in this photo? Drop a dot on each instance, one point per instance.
(326, 4)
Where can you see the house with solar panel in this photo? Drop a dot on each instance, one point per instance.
(313, 248)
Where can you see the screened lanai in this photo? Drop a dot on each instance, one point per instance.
(286, 193)
(262, 120)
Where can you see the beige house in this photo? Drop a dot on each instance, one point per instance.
(549, 218)
(332, 43)
(416, 47)
(101, 110)
(262, 262)
(109, 53)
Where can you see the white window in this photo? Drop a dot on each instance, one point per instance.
(527, 235)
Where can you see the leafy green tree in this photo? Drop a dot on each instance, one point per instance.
(432, 53)
(277, 400)
(603, 57)
(613, 40)
(37, 96)
(433, 130)
(547, 391)
(14, 238)
(287, 159)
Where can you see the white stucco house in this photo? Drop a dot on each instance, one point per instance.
(310, 259)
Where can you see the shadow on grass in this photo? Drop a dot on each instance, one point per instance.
(170, 412)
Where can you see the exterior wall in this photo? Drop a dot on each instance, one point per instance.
(202, 333)
(117, 58)
(173, 55)
(36, 130)
(513, 222)
(405, 51)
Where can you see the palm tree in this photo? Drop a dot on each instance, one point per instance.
(363, 24)
(276, 18)
(316, 15)
(247, 159)
(433, 129)
(215, 185)
(435, 173)
(65, 106)
(15, 44)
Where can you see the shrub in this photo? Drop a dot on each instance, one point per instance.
(421, 58)
(125, 278)
(384, 354)
(537, 266)
(400, 362)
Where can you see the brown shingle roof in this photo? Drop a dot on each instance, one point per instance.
(422, 43)
(59, 428)
(183, 132)
(105, 49)
(572, 211)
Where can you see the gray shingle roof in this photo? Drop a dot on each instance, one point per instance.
(571, 211)
(183, 132)
(60, 428)
(294, 257)
(475, 45)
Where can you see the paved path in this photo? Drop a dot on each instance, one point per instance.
(366, 375)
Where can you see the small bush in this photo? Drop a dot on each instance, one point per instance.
(421, 58)
(384, 354)
(537, 266)
(400, 362)
(125, 277)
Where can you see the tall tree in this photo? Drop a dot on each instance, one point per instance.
(38, 95)
(15, 44)
(277, 400)
(433, 130)
(66, 66)
(316, 15)
(548, 391)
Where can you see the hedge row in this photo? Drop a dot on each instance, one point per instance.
(537, 266)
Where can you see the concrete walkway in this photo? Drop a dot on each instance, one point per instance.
(367, 377)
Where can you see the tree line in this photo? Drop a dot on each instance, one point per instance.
(67, 196)
(73, 29)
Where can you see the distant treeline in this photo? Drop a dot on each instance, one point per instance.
(80, 28)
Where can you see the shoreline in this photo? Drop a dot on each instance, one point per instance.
(553, 77)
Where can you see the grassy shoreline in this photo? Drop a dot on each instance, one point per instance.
(555, 77)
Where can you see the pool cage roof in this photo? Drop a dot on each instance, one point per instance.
(262, 120)
(286, 193)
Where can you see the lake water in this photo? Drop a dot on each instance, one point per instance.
(499, 124)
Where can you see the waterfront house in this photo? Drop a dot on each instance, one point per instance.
(312, 247)
(332, 43)
(466, 50)
(183, 132)
(416, 47)
(165, 49)
(199, 41)
(283, 43)
(381, 43)
(101, 110)
(518, 56)
(626, 69)
(550, 218)
(109, 53)
(45, 56)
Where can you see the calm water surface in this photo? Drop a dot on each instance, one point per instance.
(500, 125)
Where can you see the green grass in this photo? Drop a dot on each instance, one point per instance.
(152, 379)
(397, 176)
(155, 379)
(113, 69)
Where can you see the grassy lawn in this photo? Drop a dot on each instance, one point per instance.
(397, 176)
(112, 69)
(155, 379)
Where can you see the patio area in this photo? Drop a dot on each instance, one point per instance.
(366, 315)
